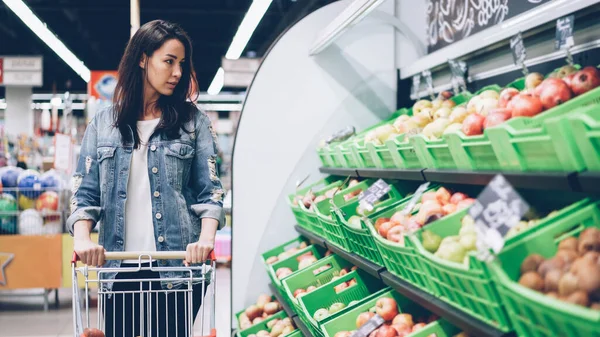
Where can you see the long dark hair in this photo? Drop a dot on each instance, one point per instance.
(128, 100)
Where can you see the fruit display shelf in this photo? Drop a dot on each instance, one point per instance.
(561, 181)
(466, 322)
(290, 312)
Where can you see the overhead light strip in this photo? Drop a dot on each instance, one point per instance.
(40, 29)
(255, 13)
(217, 83)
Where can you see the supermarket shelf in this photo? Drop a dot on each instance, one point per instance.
(466, 322)
(565, 181)
(311, 236)
(469, 324)
(589, 182)
(339, 171)
(289, 311)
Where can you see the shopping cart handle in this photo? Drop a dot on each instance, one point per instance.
(165, 255)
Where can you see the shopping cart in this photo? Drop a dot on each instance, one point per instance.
(140, 306)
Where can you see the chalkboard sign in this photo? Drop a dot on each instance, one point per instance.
(370, 326)
(449, 21)
(497, 209)
(564, 32)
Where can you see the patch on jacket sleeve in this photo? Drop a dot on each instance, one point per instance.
(212, 168)
(76, 182)
(88, 164)
(217, 195)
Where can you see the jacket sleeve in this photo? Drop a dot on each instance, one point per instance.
(85, 183)
(205, 182)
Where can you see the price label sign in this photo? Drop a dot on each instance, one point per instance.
(518, 51)
(416, 84)
(429, 82)
(415, 198)
(497, 209)
(370, 326)
(459, 73)
(564, 32)
(341, 135)
(368, 198)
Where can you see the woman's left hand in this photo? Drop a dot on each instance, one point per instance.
(198, 252)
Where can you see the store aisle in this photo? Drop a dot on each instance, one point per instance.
(27, 318)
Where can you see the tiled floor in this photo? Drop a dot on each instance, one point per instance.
(25, 317)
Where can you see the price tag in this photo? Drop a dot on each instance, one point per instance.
(429, 82)
(497, 209)
(416, 84)
(459, 73)
(564, 32)
(415, 198)
(518, 52)
(341, 135)
(368, 198)
(369, 326)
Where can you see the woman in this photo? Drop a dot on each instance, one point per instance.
(147, 175)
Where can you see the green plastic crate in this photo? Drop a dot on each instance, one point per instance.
(310, 216)
(360, 240)
(291, 263)
(316, 186)
(325, 296)
(239, 313)
(325, 155)
(471, 287)
(585, 128)
(380, 154)
(306, 278)
(261, 326)
(294, 243)
(436, 153)
(347, 321)
(534, 314)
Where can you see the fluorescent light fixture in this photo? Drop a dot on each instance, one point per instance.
(355, 12)
(217, 83)
(255, 13)
(40, 29)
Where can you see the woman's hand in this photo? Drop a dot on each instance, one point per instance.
(198, 252)
(89, 252)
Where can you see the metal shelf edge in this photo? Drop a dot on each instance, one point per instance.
(313, 237)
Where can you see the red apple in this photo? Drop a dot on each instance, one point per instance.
(442, 196)
(272, 260)
(379, 222)
(340, 287)
(257, 320)
(253, 311)
(473, 124)
(363, 318)
(449, 209)
(497, 117)
(396, 234)
(569, 80)
(385, 228)
(526, 105)
(428, 196)
(585, 80)
(307, 261)
(465, 204)
(418, 327)
(299, 291)
(374, 333)
(343, 272)
(402, 330)
(272, 308)
(554, 93)
(311, 288)
(506, 95)
(303, 256)
(386, 331)
(457, 197)
(351, 283)
(263, 299)
(343, 334)
(387, 308)
(533, 80)
(328, 252)
(405, 319)
(353, 268)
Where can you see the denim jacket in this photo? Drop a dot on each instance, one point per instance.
(183, 179)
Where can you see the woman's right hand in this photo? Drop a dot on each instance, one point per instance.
(89, 252)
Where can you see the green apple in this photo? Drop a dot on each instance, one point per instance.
(335, 307)
(321, 314)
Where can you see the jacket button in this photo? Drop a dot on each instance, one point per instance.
(161, 239)
(154, 170)
(158, 216)
(156, 194)
(153, 148)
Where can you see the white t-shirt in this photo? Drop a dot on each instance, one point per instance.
(139, 229)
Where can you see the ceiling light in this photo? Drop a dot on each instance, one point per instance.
(40, 29)
(217, 83)
(255, 13)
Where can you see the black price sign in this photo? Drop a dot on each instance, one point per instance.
(429, 82)
(564, 32)
(497, 209)
(369, 326)
(368, 198)
(341, 135)
(459, 73)
(518, 50)
(416, 84)
(415, 198)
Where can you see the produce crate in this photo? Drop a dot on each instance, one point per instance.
(544, 142)
(326, 295)
(347, 321)
(585, 128)
(291, 263)
(262, 325)
(380, 154)
(298, 213)
(239, 313)
(359, 238)
(532, 313)
(294, 243)
(471, 287)
(325, 155)
(436, 153)
(307, 277)
(310, 216)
